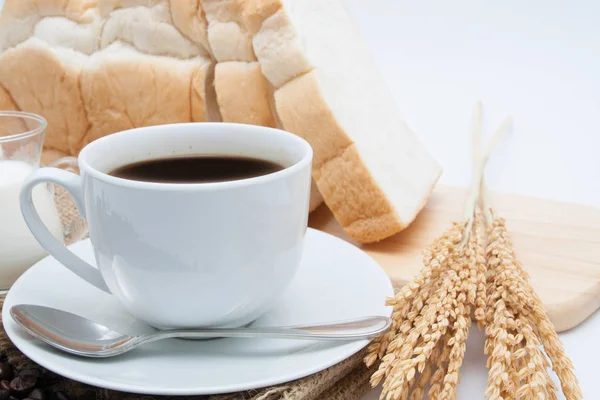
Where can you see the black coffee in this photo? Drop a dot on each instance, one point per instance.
(196, 169)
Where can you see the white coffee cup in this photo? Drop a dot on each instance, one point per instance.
(187, 255)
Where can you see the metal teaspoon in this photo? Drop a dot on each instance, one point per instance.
(83, 337)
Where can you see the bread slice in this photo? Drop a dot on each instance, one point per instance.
(188, 16)
(45, 80)
(373, 172)
(45, 45)
(19, 20)
(156, 27)
(124, 88)
(6, 101)
(147, 26)
(146, 73)
(242, 93)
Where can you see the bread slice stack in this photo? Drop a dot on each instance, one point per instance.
(302, 65)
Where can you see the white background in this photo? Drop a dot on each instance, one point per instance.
(538, 61)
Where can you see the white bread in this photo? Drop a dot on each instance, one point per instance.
(373, 172)
(41, 75)
(93, 67)
(242, 93)
(146, 72)
(6, 101)
(228, 37)
(188, 16)
(123, 88)
(19, 19)
(53, 49)
(45, 81)
(147, 26)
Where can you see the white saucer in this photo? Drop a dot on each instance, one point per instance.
(336, 281)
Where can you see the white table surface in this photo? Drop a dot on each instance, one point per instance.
(537, 60)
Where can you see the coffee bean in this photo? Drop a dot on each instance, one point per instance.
(22, 385)
(13, 398)
(30, 371)
(6, 372)
(35, 372)
(37, 394)
(4, 394)
(5, 385)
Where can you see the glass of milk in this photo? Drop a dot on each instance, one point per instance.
(21, 140)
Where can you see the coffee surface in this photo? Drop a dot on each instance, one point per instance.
(196, 169)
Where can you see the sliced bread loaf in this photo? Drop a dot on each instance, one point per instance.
(373, 172)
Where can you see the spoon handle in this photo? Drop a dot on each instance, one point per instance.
(360, 328)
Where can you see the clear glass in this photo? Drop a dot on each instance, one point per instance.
(21, 144)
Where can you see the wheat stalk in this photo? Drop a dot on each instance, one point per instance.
(418, 390)
(468, 296)
(431, 315)
(412, 297)
(533, 372)
(434, 310)
(519, 294)
(430, 325)
(441, 365)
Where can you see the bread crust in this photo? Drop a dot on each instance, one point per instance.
(228, 36)
(35, 77)
(20, 16)
(242, 93)
(280, 50)
(6, 101)
(39, 82)
(257, 11)
(188, 16)
(349, 190)
(121, 94)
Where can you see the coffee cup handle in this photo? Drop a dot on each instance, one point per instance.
(72, 183)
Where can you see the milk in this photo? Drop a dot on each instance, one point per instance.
(18, 248)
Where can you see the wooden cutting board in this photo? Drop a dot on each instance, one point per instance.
(558, 243)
